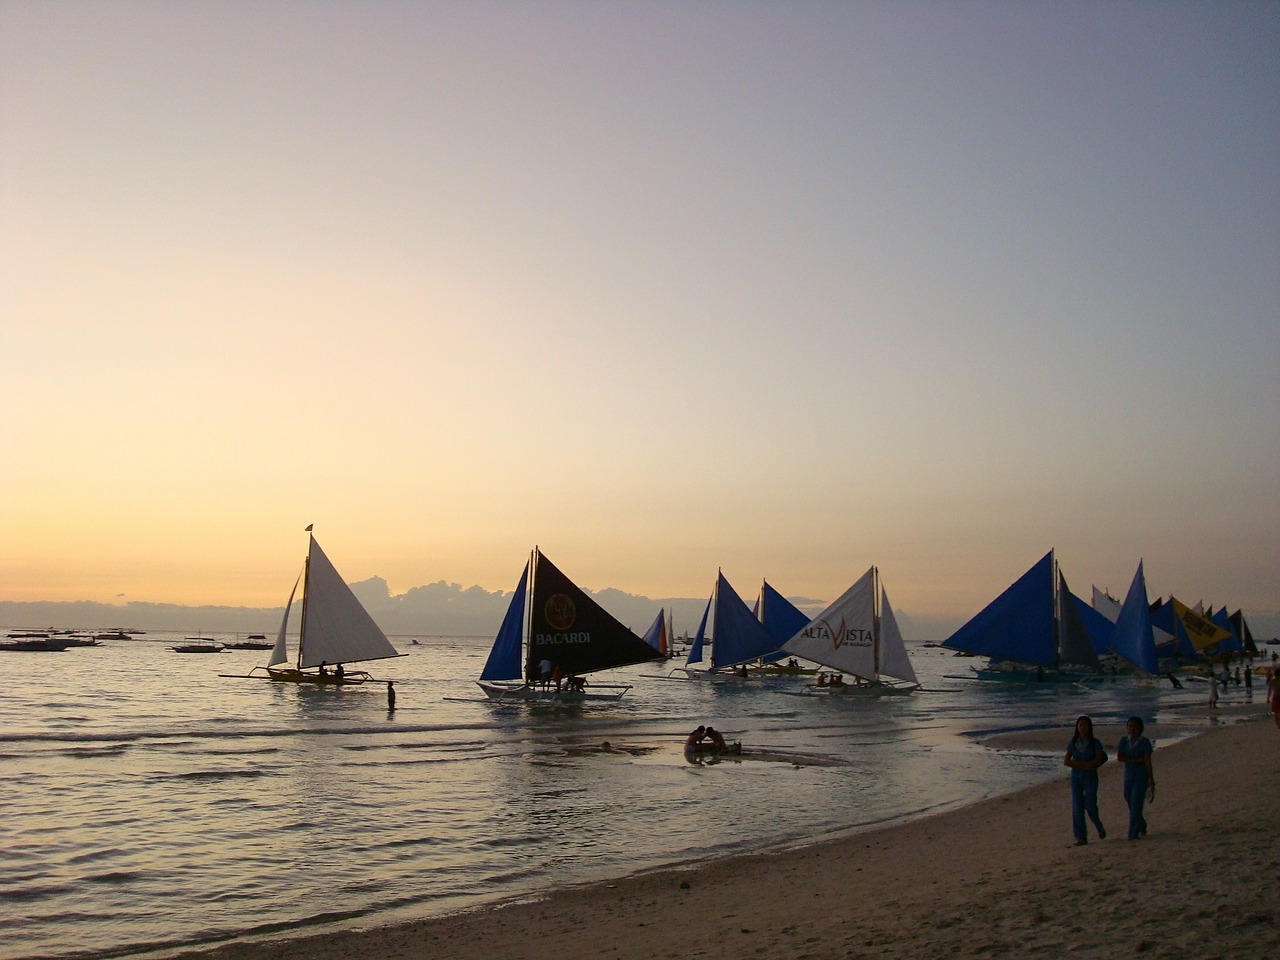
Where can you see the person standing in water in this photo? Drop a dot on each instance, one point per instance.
(1134, 751)
(391, 697)
(1084, 756)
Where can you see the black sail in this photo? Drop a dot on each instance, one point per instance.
(574, 632)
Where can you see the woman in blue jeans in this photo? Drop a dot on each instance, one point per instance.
(1084, 756)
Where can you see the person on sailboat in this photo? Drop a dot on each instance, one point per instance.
(1084, 756)
(339, 672)
(324, 668)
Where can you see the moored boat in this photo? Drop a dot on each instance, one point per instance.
(568, 631)
(336, 630)
(195, 645)
(857, 634)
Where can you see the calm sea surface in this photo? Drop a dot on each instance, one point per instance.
(149, 803)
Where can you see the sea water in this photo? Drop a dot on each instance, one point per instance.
(150, 803)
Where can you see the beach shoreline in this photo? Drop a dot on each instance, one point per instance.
(997, 878)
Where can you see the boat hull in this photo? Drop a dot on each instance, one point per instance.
(35, 645)
(862, 690)
(294, 675)
(537, 694)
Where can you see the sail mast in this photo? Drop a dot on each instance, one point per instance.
(1057, 614)
(875, 622)
(306, 596)
(530, 668)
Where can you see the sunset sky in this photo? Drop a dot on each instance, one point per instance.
(781, 288)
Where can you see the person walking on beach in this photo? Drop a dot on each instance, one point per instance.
(1084, 756)
(1134, 751)
(1213, 690)
(1273, 694)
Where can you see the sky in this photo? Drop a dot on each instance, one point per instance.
(663, 288)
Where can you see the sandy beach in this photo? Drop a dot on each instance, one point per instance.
(1000, 878)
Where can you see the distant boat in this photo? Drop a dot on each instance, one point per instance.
(657, 636)
(197, 646)
(858, 635)
(336, 630)
(1033, 631)
(565, 627)
(254, 641)
(35, 644)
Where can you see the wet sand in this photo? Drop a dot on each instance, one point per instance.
(998, 879)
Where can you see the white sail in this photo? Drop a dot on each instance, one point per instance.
(336, 628)
(1106, 604)
(842, 636)
(894, 661)
(280, 653)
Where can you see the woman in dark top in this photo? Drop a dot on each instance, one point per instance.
(1084, 756)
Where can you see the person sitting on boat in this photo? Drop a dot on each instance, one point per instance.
(576, 684)
(339, 672)
(694, 740)
(324, 668)
(742, 670)
(822, 679)
(837, 680)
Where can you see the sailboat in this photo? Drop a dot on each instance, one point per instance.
(1133, 637)
(336, 630)
(658, 635)
(858, 635)
(782, 619)
(737, 637)
(562, 625)
(1032, 631)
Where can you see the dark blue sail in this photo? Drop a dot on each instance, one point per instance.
(1096, 625)
(738, 636)
(1018, 625)
(1133, 638)
(782, 619)
(695, 651)
(1223, 620)
(504, 661)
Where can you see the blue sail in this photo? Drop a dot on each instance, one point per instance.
(738, 636)
(1096, 625)
(656, 636)
(1222, 620)
(505, 661)
(1163, 617)
(1133, 638)
(695, 651)
(1018, 625)
(782, 619)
